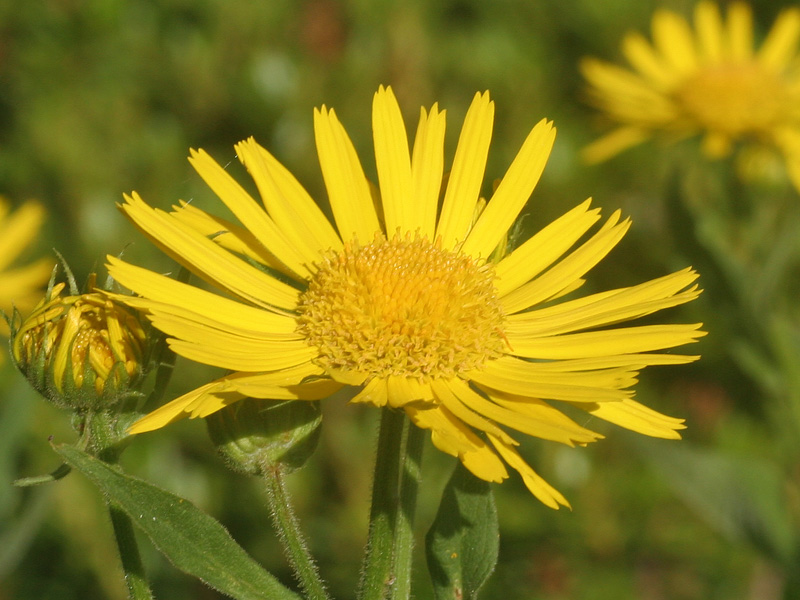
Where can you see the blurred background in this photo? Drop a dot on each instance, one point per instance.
(102, 97)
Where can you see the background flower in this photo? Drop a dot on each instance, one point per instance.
(20, 286)
(709, 81)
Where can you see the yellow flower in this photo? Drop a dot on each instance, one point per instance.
(710, 81)
(20, 287)
(398, 300)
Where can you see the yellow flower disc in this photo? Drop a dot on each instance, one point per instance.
(402, 307)
(734, 98)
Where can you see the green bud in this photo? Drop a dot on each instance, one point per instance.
(254, 436)
(82, 352)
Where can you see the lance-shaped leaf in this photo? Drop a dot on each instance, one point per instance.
(193, 541)
(462, 544)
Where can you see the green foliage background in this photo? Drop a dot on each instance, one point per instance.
(101, 97)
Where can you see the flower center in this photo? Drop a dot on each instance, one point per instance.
(402, 307)
(734, 98)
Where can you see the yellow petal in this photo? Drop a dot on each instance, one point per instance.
(230, 236)
(217, 393)
(245, 355)
(392, 161)
(636, 417)
(780, 47)
(348, 190)
(189, 302)
(537, 486)
(297, 217)
(624, 340)
(403, 390)
(573, 267)
(541, 250)
(606, 308)
(611, 144)
(249, 212)
(375, 393)
(708, 23)
(452, 436)
(644, 59)
(527, 379)
(674, 40)
(513, 192)
(296, 201)
(211, 397)
(427, 168)
(18, 230)
(553, 428)
(207, 259)
(448, 393)
(466, 176)
(740, 31)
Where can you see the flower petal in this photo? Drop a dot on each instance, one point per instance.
(674, 40)
(427, 168)
(248, 211)
(18, 229)
(710, 33)
(605, 308)
(740, 31)
(544, 248)
(348, 189)
(528, 416)
(295, 214)
(647, 61)
(523, 378)
(466, 177)
(207, 259)
(636, 417)
(513, 192)
(780, 47)
(230, 236)
(392, 161)
(568, 270)
(537, 486)
(181, 299)
(214, 396)
(624, 340)
(452, 436)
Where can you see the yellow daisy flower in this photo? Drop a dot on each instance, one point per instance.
(399, 301)
(710, 81)
(20, 286)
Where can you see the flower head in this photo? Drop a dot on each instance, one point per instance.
(406, 299)
(20, 287)
(81, 351)
(710, 81)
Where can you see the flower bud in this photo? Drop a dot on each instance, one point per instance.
(82, 352)
(254, 436)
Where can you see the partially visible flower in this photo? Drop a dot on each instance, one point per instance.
(402, 299)
(20, 286)
(82, 352)
(710, 81)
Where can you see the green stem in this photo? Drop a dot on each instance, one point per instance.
(138, 588)
(288, 529)
(387, 563)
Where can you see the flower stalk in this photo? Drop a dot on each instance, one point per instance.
(386, 573)
(288, 529)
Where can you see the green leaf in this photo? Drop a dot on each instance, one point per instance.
(743, 498)
(462, 544)
(194, 542)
